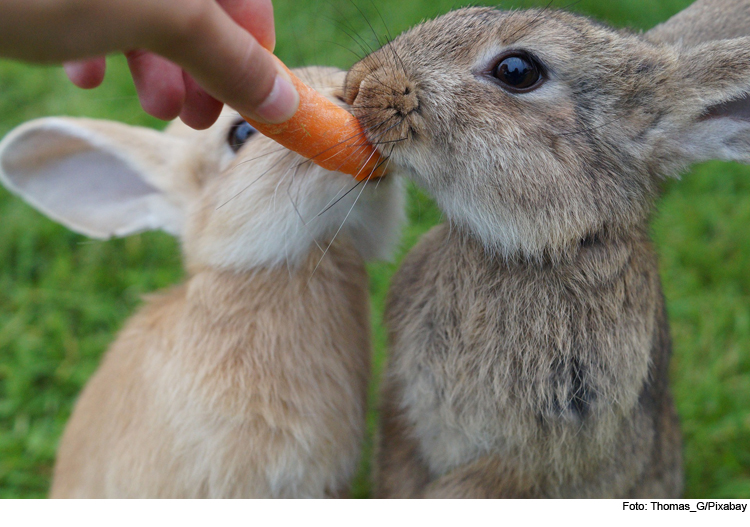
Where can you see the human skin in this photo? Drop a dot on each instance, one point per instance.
(185, 55)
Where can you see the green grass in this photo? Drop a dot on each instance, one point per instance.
(62, 297)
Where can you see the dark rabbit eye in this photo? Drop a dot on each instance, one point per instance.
(239, 134)
(518, 73)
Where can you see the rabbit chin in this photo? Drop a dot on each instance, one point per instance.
(531, 234)
(510, 234)
(282, 223)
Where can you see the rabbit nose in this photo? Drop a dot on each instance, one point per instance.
(385, 100)
(379, 88)
(406, 101)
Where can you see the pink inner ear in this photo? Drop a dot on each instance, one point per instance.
(738, 109)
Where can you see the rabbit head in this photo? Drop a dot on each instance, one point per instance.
(538, 130)
(236, 199)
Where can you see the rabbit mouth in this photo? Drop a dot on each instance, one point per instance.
(388, 130)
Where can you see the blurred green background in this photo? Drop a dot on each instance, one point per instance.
(63, 297)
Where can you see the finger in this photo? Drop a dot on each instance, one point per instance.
(159, 83)
(200, 109)
(256, 16)
(86, 74)
(246, 76)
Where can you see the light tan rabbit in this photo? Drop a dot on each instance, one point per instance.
(249, 379)
(529, 347)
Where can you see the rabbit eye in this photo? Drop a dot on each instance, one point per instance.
(239, 134)
(517, 73)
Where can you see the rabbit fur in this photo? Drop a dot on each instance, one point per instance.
(529, 345)
(250, 378)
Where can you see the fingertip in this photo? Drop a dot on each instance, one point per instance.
(164, 103)
(269, 42)
(200, 110)
(159, 83)
(86, 74)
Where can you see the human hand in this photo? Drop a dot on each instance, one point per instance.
(189, 54)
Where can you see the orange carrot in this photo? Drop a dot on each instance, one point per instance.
(326, 134)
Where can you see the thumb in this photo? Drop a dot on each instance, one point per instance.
(230, 64)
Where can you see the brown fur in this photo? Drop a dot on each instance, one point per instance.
(231, 385)
(502, 371)
(529, 344)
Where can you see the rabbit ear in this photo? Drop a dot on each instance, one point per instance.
(98, 178)
(715, 98)
(703, 21)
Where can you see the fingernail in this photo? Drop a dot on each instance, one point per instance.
(280, 104)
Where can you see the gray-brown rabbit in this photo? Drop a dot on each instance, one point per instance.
(250, 379)
(529, 346)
